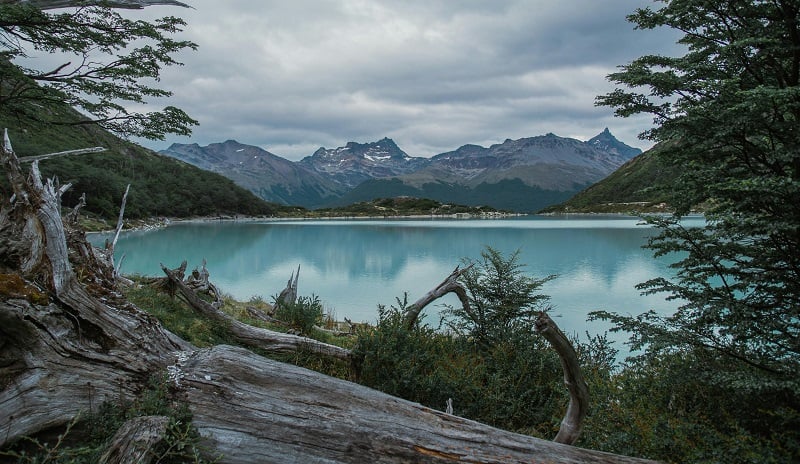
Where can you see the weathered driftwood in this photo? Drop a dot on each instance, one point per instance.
(135, 441)
(248, 335)
(578, 407)
(110, 246)
(82, 151)
(75, 214)
(63, 350)
(288, 296)
(448, 285)
(66, 347)
(252, 409)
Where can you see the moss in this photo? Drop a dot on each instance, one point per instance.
(14, 286)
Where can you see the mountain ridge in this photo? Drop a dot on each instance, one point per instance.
(533, 168)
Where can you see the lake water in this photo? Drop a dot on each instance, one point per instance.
(353, 265)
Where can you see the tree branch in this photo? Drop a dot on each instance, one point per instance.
(255, 337)
(572, 424)
(448, 285)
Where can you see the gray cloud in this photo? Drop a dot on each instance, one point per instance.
(433, 75)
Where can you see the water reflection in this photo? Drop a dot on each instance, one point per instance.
(354, 265)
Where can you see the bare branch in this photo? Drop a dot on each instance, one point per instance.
(572, 424)
(256, 337)
(448, 285)
(81, 151)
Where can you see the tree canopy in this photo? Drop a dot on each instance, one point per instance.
(104, 66)
(728, 110)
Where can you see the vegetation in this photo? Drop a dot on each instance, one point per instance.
(301, 315)
(508, 194)
(642, 185)
(729, 108)
(401, 206)
(106, 64)
(160, 186)
(85, 439)
(490, 363)
(503, 301)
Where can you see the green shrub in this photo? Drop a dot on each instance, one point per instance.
(516, 385)
(301, 315)
(503, 301)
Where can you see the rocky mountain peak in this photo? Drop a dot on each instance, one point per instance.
(356, 162)
(607, 142)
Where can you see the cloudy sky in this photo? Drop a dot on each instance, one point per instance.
(291, 76)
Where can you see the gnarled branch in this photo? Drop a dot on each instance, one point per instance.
(248, 335)
(448, 285)
(578, 407)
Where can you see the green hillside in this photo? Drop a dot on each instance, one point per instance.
(507, 194)
(160, 186)
(642, 184)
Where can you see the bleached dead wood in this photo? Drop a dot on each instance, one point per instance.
(135, 441)
(248, 335)
(252, 409)
(75, 214)
(448, 285)
(288, 295)
(578, 407)
(80, 151)
(120, 222)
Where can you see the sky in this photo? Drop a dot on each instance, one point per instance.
(433, 75)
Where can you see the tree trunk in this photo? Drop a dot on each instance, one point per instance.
(67, 345)
(135, 441)
(578, 407)
(252, 409)
(254, 337)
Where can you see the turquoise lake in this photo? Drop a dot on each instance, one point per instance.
(353, 265)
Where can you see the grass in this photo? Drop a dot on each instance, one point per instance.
(180, 319)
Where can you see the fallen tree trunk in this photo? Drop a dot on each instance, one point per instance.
(68, 345)
(252, 409)
(136, 440)
(254, 337)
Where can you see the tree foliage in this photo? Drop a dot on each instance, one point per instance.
(516, 385)
(103, 63)
(503, 301)
(729, 109)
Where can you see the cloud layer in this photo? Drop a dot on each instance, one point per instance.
(433, 75)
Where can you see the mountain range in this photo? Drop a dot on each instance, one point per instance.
(523, 175)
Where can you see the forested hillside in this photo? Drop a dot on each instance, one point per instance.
(160, 186)
(642, 184)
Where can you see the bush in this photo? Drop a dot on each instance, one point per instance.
(503, 302)
(301, 315)
(492, 364)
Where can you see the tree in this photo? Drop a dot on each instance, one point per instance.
(105, 64)
(502, 300)
(726, 112)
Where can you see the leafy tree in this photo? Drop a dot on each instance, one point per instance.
(727, 112)
(105, 64)
(503, 301)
